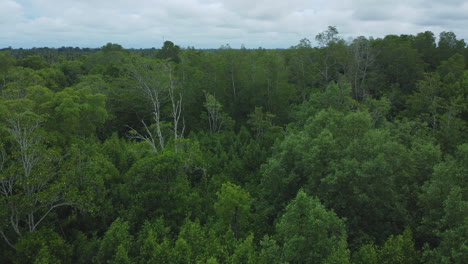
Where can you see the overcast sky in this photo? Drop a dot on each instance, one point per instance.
(212, 23)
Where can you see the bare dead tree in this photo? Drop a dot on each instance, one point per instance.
(157, 83)
(148, 137)
(151, 86)
(213, 109)
(176, 106)
(363, 59)
(21, 182)
(6, 189)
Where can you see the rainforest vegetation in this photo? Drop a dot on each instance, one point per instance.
(330, 151)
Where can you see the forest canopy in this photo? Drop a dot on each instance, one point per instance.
(351, 151)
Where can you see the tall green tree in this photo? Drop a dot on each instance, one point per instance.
(233, 208)
(399, 249)
(448, 45)
(331, 54)
(444, 203)
(425, 43)
(169, 51)
(116, 243)
(310, 233)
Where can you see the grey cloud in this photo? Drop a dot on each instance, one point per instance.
(373, 14)
(211, 23)
(452, 15)
(264, 9)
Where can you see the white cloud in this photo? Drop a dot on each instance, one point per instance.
(10, 12)
(211, 23)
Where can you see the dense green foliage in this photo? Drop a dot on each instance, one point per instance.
(348, 152)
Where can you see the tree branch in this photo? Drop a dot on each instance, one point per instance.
(48, 211)
(7, 240)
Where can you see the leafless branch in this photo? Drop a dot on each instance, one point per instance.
(48, 211)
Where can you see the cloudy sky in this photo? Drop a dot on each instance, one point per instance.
(212, 23)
